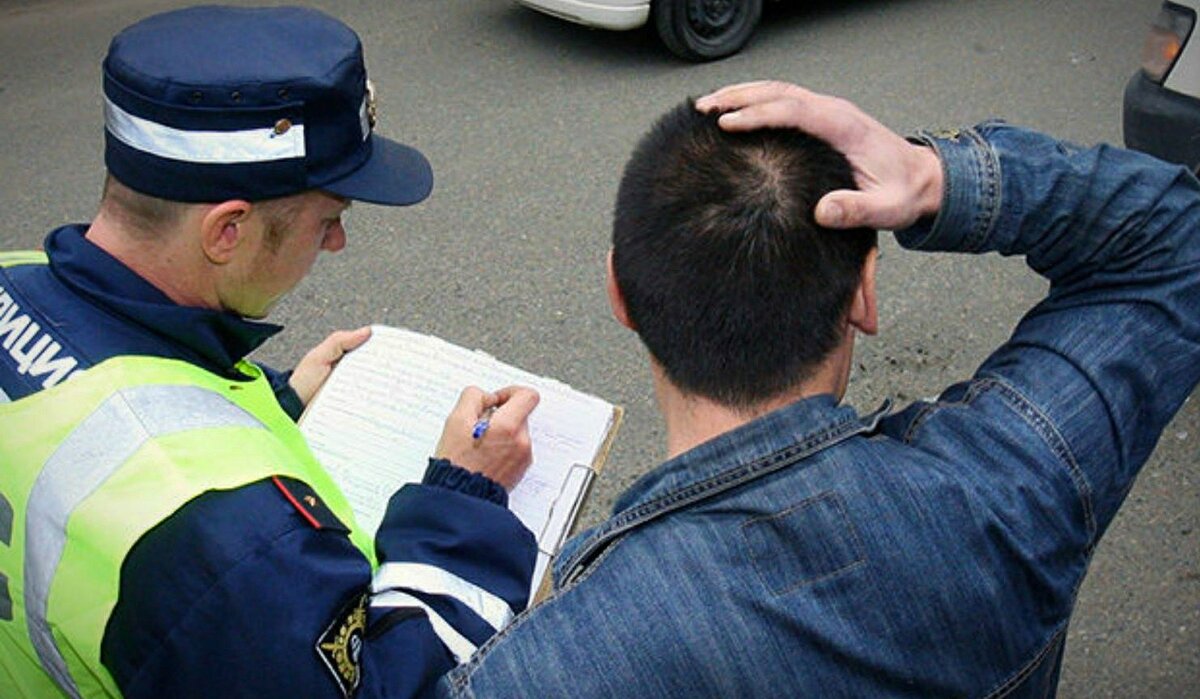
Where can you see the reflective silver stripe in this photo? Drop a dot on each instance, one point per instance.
(421, 577)
(92, 453)
(6, 527)
(247, 146)
(456, 642)
(6, 521)
(6, 605)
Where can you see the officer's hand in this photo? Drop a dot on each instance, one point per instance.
(899, 182)
(315, 367)
(503, 452)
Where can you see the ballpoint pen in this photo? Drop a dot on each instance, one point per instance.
(482, 424)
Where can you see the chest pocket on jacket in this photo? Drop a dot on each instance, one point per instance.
(810, 541)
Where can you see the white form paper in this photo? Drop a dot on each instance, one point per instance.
(377, 419)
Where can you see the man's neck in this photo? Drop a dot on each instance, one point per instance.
(692, 420)
(165, 263)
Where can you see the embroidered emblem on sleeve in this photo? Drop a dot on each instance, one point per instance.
(340, 646)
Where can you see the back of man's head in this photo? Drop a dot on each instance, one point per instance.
(735, 290)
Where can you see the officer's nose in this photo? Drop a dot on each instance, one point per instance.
(335, 238)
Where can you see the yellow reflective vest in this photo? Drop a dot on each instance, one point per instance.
(89, 466)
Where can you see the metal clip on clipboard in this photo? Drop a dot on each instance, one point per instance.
(574, 504)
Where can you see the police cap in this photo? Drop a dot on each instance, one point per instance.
(214, 103)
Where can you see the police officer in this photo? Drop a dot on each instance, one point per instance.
(164, 530)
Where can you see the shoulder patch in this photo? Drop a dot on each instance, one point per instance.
(309, 504)
(340, 645)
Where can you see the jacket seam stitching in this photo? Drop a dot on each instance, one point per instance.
(1032, 416)
(1058, 445)
(990, 196)
(1013, 682)
(833, 497)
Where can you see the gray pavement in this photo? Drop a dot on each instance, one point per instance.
(528, 120)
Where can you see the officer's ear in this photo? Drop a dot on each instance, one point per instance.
(223, 230)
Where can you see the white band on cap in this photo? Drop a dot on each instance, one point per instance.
(211, 147)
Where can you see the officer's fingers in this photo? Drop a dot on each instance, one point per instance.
(516, 403)
(352, 339)
(342, 341)
(472, 402)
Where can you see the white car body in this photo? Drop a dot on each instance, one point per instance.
(603, 14)
(693, 30)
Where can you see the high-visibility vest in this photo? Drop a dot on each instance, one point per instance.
(89, 466)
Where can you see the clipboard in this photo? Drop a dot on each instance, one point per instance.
(371, 443)
(561, 522)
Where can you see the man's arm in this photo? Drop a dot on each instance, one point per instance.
(1112, 352)
(1099, 366)
(240, 592)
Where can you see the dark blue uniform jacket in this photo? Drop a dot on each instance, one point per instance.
(238, 593)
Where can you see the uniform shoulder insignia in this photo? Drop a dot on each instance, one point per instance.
(340, 645)
(309, 504)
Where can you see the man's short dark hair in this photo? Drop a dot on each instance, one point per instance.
(727, 278)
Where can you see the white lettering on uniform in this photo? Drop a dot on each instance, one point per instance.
(16, 334)
(12, 327)
(25, 359)
(47, 363)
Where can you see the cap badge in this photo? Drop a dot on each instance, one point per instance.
(371, 109)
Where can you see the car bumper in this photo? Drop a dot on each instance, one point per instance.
(614, 14)
(1161, 122)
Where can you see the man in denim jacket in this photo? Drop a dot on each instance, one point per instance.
(789, 546)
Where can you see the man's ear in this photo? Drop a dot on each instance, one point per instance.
(221, 230)
(863, 313)
(615, 299)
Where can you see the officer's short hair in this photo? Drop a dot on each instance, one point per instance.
(148, 218)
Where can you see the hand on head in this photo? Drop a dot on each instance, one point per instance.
(503, 452)
(898, 181)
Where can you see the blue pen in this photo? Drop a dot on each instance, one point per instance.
(482, 424)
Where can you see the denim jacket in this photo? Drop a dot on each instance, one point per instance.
(936, 551)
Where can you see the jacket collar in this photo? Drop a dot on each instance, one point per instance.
(216, 340)
(773, 441)
(810, 420)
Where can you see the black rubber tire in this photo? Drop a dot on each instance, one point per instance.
(705, 30)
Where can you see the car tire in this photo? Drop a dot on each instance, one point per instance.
(705, 30)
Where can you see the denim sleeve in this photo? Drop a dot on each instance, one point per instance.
(1101, 364)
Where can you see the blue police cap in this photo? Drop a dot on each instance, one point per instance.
(212, 103)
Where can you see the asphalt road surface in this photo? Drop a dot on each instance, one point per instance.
(528, 121)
